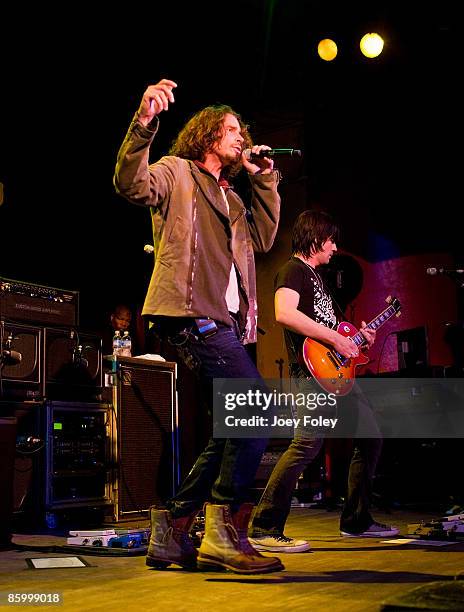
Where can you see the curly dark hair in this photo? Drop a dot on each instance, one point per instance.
(203, 130)
(312, 228)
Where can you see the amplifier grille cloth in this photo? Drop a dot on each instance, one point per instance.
(145, 433)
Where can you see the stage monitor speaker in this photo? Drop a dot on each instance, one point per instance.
(23, 380)
(412, 350)
(146, 434)
(73, 365)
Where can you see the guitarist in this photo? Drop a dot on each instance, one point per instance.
(304, 306)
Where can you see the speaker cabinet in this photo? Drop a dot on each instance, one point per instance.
(146, 434)
(29, 460)
(7, 453)
(73, 365)
(23, 381)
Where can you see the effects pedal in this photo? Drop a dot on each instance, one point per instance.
(111, 538)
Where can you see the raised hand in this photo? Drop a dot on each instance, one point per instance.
(155, 99)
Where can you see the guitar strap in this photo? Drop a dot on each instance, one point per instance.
(340, 314)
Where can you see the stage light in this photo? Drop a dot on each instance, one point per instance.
(327, 49)
(371, 45)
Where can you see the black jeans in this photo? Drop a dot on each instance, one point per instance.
(275, 503)
(355, 516)
(225, 470)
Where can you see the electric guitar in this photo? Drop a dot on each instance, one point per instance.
(333, 372)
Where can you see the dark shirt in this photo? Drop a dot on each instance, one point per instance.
(315, 300)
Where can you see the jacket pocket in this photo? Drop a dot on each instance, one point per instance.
(179, 230)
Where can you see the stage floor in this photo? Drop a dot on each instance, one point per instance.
(350, 574)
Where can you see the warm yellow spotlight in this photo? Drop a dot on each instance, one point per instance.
(371, 45)
(327, 49)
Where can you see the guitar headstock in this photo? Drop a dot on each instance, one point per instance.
(395, 303)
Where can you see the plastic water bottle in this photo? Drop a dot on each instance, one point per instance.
(50, 519)
(117, 343)
(126, 343)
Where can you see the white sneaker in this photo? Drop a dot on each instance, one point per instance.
(279, 544)
(376, 530)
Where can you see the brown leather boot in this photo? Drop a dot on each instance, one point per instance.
(225, 544)
(241, 519)
(170, 541)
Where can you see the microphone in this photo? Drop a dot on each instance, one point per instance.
(273, 153)
(434, 271)
(11, 357)
(78, 358)
(149, 249)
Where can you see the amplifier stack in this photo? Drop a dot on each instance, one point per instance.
(57, 361)
(80, 445)
(51, 383)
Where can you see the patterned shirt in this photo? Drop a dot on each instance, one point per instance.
(315, 300)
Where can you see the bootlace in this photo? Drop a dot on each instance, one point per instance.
(230, 527)
(233, 534)
(167, 535)
(283, 539)
(181, 537)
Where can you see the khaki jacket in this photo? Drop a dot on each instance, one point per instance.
(195, 238)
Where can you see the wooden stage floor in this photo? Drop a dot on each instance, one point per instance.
(349, 574)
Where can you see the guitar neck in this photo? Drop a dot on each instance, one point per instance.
(379, 320)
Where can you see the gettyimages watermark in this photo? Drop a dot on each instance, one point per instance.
(271, 408)
(377, 407)
(282, 409)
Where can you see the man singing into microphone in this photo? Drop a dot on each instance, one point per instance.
(202, 297)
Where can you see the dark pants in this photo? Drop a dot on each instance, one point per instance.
(275, 503)
(225, 470)
(367, 446)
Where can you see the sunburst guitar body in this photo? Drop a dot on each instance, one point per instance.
(333, 372)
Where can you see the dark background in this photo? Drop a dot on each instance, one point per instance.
(381, 145)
